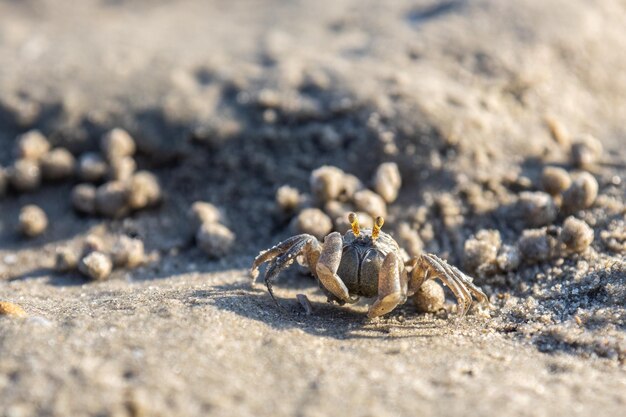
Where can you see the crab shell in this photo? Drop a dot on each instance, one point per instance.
(362, 259)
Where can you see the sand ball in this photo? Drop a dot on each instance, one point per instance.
(83, 198)
(92, 167)
(145, 190)
(581, 194)
(387, 181)
(215, 239)
(116, 144)
(576, 234)
(112, 199)
(31, 145)
(58, 164)
(430, 297)
(96, 265)
(326, 183)
(25, 175)
(32, 221)
(371, 203)
(555, 180)
(312, 221)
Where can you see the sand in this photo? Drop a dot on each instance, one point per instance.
(227, 102)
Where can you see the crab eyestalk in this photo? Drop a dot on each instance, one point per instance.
(378, 224)
(354, 222)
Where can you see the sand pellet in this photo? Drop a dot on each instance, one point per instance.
(430, 297)
(288, 198)
(25, 175)
(122, 168)
(31, 145)
(387, 181)
(586, 151)
(66, 259)
(326, 183)
(112, 199)
(555, 180)
(202, 212)
(145, 190)
(537, 208)
(371, 203)
(58, 164)
(92, 167)
(536, 245)
(215, 239)
(96, 265)
(83, 198)
(576, 234)
(581, 194)
(481, 250)
(117, 143)
(312, 221)
(32, 221)
(128, 252)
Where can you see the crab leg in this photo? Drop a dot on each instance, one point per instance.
(327, 266)
(459, 283)
(392, 286)
(281, 248)
(281, 256)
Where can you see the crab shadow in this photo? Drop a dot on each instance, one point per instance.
(327, 320)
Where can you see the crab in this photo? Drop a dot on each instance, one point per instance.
(365, 263)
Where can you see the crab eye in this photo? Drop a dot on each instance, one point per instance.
(354, 222)
(378, 224)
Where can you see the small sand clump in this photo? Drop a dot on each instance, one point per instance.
(509, 258)
(481, 250)
(215, 239)
(201, 213)
(576, 234)
(371, 203)
(128, 252)
(116, 144)
(96, 265)
(288, 198)
(614, 237)
(312, 221)
(84, 198)
(586, 151)
(92, 167)
(32, 221)
(112, 199)
(58, 164)
(536, 245)
(31, 145)
(122, 168)
(537, 208)
(409, 239)
(387, 181)
(430, 297)
(326, 183)
(337, 209)
(581, 194)
(351, 184)
(11, 310)
(145, 190)
(25, 175)
(66, 259)
(555, 180)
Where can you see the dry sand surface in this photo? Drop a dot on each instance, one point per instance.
(227, 102)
